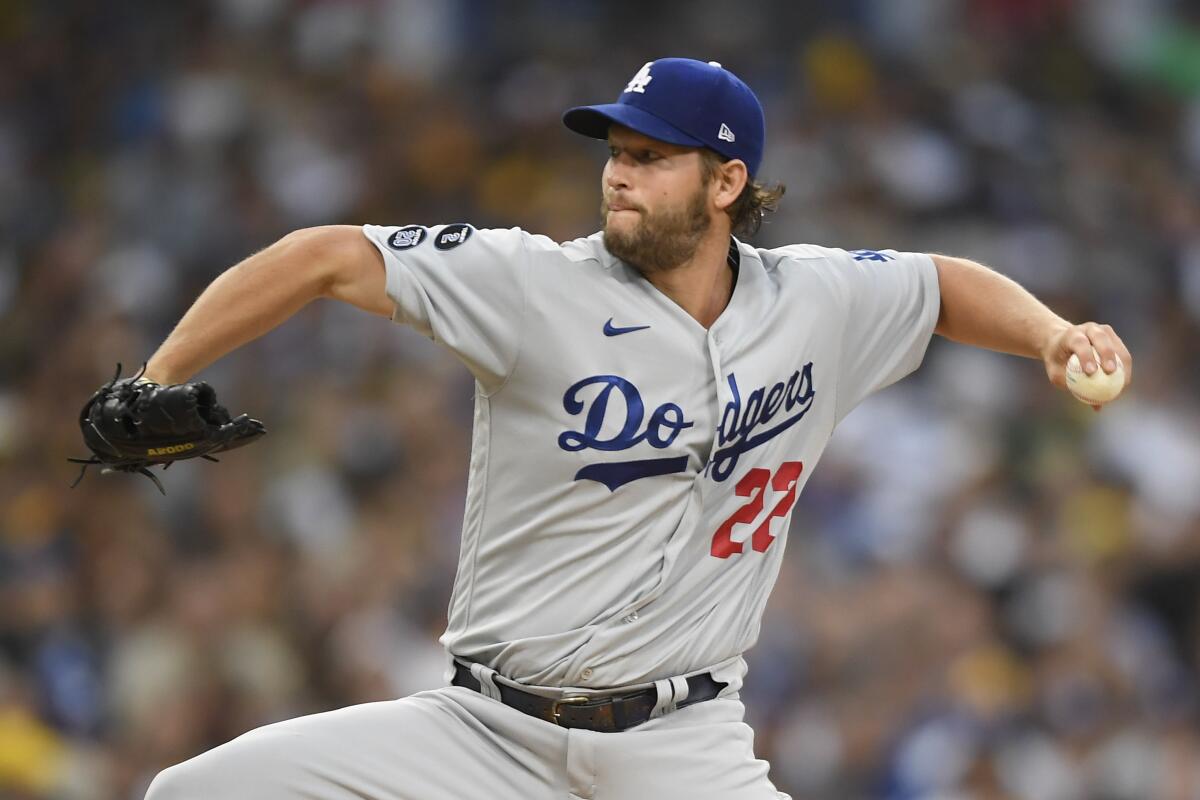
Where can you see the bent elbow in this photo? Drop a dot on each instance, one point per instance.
(328, 251)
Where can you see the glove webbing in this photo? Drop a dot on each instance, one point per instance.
(123, 394)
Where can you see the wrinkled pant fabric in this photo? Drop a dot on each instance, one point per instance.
(452, 744)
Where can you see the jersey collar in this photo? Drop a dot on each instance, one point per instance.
(747, 300)
(748, 303)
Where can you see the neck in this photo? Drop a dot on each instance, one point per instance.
(702, 285)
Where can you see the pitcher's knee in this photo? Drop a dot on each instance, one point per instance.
(176, 783)
(260, 765)
(229, 772)
(206, 777)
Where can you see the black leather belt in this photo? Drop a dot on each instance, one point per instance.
(606, 714)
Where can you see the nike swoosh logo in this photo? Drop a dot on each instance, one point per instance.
(612, 330)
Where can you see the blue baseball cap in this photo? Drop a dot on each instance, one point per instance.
(684, 102)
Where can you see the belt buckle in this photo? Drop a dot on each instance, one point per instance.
(573, 700)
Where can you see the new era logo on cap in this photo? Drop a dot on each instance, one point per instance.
(726, 134)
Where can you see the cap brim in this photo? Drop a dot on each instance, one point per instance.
(594, 121)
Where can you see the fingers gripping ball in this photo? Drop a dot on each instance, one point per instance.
(132, 424)
(1100, 386)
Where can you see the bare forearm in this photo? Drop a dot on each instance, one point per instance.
(983, 308)
(242, 304)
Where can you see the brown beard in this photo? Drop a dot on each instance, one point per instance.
(661, 241)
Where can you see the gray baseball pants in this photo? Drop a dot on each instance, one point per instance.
(456, 744)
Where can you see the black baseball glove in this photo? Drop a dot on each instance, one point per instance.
(131, 424)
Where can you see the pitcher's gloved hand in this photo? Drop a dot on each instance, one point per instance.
(130, 424)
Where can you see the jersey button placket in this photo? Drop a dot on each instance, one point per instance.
(587, 673)
(714, 355)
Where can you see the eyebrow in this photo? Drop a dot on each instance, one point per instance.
(653, 147)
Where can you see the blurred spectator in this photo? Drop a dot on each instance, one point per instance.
(990, 591)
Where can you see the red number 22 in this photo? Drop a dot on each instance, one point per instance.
(754, 485)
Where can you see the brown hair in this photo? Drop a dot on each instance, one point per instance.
(746, 213)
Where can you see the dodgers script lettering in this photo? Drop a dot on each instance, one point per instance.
(746, 423)
(594, 398)
(743, 424)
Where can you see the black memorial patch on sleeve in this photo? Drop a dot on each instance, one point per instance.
(452, 236)
(407, 237)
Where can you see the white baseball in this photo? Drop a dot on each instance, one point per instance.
(1100, 386)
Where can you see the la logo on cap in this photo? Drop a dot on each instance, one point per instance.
(638, 82)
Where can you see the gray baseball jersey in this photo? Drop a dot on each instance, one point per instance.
(632, 473)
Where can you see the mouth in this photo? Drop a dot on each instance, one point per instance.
(612, 206)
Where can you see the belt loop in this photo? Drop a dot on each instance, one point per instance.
(681, 687)
(487, 683)
(665, 703)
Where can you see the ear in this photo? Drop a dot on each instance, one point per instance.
(728, 183)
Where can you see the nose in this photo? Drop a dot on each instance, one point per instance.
(616, 175)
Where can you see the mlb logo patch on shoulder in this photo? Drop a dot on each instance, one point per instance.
(407, 237)
(452, 236)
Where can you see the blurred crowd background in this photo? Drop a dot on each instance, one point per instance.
(990, 590)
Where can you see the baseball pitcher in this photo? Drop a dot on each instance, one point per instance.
(650, 401)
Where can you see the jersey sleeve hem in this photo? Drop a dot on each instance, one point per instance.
(931, 309)
(397, 284)
(838, 413)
